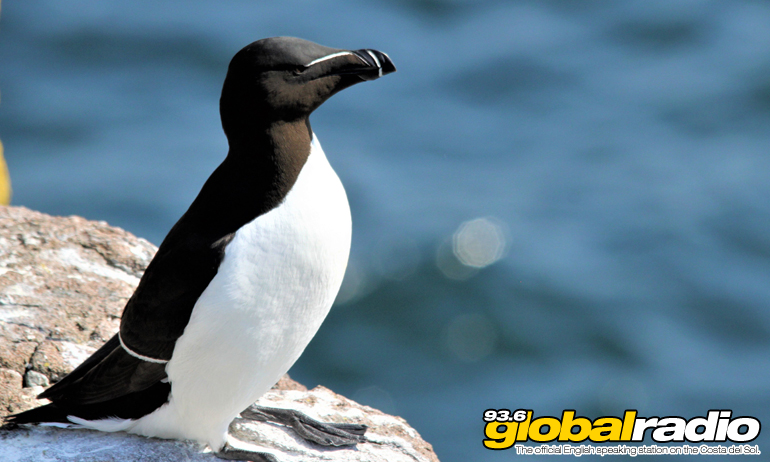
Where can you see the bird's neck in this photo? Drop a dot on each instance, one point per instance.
(283, 143)
(261, 168)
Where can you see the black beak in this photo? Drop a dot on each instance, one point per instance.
(365, 64)
(377, 64)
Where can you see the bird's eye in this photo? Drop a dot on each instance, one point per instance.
(298, 70)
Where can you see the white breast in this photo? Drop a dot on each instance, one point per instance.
(275, 286)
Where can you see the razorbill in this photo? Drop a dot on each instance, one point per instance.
(244, 279)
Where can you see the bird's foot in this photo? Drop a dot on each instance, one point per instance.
(230, 453)
(325, 434)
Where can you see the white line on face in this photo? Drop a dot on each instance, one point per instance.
(324, 58)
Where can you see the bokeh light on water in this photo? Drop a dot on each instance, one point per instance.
(475, 244)
(479, 243)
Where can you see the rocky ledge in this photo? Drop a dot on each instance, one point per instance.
(63, 284)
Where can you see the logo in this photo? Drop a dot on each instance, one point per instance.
(504, 429)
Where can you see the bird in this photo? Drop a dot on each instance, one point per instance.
(244, 279)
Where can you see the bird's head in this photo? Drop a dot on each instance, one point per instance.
(286, 78)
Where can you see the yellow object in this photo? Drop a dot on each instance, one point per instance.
(5, 180)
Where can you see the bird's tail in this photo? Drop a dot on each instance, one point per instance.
(49, 413)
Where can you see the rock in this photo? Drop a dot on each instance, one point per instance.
(63, 284)
(390, 438)
(14, 398)
(35, 379)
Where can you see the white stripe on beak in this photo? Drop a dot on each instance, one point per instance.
(324, 58)
(379, 66)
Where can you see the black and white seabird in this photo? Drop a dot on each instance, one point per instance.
(244, 279)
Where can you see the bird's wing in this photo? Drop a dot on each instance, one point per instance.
(154, 318)
(160, 308)
(105, 376)
(56, 389)
(158, 312)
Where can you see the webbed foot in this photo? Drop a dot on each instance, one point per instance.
(325, 434)
(230, 453)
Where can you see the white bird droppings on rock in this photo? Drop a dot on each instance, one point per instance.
(75, 354)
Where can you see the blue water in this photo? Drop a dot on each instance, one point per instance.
(617, 151)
